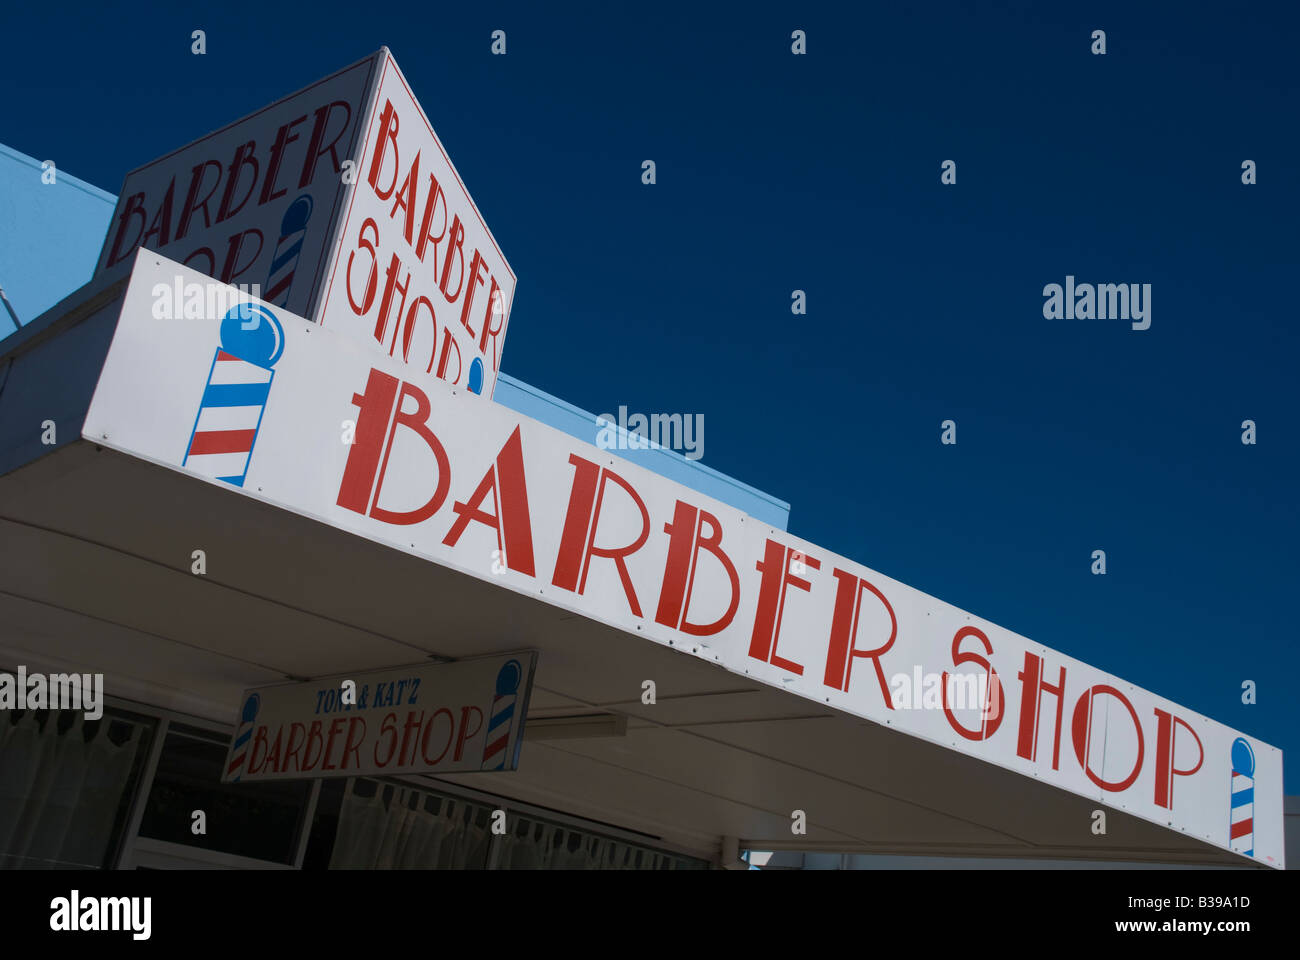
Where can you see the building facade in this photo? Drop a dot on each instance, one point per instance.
(206, 510)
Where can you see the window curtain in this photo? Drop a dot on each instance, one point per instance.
(536, 844)
(62, 779)
(398, 826)
(404, 827)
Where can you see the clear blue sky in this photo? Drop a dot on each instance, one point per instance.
(821, 173)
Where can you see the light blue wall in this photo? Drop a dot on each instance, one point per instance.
(50, 238)
(50, 235)
(531, 402)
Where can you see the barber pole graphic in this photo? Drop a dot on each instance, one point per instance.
(501, 721)
(234, 399)
(1241, 830)
(293, 230)
(239, 750)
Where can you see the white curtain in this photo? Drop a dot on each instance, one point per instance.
(361, 829)
(108, 767)
(20, 764)
(59, 791)
(425, 834)
(404, 827)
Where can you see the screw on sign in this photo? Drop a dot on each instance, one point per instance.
(234, 399)
(503, 711)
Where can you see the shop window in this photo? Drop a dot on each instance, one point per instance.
(364, 824)
(257, 820)
(66, 786)
(532, 844)
(378, 824)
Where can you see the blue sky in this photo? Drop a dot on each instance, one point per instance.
(822, 173)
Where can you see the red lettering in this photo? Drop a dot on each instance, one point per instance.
(372, 278)
(1166, 742)
(475, 280)
(1033, 688)
(259, 744)
(430, 202)
(388, 125)
(412, 726)
(988, 726)
(231, 269)
(352, 745)
(495, 307)
(454, 249)
(415, 421)
(465, 732)
(313, 735)
(406, 198)
(290, 750)
(375, 408)
(211, 269)
(162, 221)
(391, 287)
(775, 568)
(355, 490)
(428, 729)
(273, 755)
(685, 541)
(1081, 728)
(134, 208)
(336, 727)
(511, 521)
(577, 542)
(243, 157)
(192, 202)
(842, 648)
(387, 727)
(448, 344)
(409, 330)
(282, 140)
(315, 149)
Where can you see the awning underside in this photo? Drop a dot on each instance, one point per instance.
(95, 576)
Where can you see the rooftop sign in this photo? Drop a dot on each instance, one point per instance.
(337, 203)
(416, 269)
